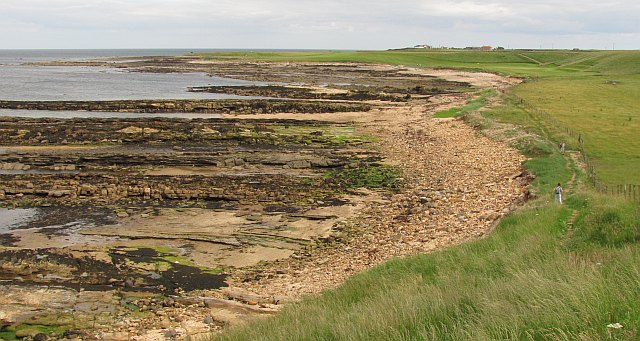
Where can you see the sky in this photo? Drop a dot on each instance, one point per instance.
(319, 24)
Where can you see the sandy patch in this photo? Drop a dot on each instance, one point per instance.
(479, 79)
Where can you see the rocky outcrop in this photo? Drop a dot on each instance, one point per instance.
(276, 91)
(110, 190)
(246, 107)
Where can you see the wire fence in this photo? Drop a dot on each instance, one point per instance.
(629, 191)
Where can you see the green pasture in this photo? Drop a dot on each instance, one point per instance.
(512, 62)
(605, 110)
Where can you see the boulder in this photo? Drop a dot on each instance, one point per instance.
(87, 190)
(319, 162)
(28, 332)
(232, 162)
(299, 164)
(58, 193)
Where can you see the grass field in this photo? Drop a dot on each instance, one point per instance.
(605, 109)
(536, 277)
(519, 63)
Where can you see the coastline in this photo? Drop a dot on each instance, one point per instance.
(458, 183)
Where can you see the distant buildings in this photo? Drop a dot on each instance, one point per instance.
(472, 48)
(479, 48)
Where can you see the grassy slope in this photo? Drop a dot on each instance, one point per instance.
(600, 99)
(511, 62)
(607, 115)
(535, 277)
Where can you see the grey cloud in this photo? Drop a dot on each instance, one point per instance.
(311, 23)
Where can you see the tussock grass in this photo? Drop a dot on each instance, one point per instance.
(609, 222)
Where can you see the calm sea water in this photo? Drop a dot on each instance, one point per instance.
(98, 114)
(10, 218)
(24, 56)
(20, 81)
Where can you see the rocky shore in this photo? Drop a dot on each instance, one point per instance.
(155, 229)
(190, 106)
(459, 184)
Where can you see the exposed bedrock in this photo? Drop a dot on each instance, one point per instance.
(193, 106)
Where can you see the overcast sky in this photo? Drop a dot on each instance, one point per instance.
(319, 24)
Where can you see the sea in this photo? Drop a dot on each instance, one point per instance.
(21, 80)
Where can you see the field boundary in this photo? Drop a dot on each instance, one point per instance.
(628, 191)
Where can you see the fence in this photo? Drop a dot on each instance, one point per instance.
(629, 191)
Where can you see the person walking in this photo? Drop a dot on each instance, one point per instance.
(559, 193)
(562, 145)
